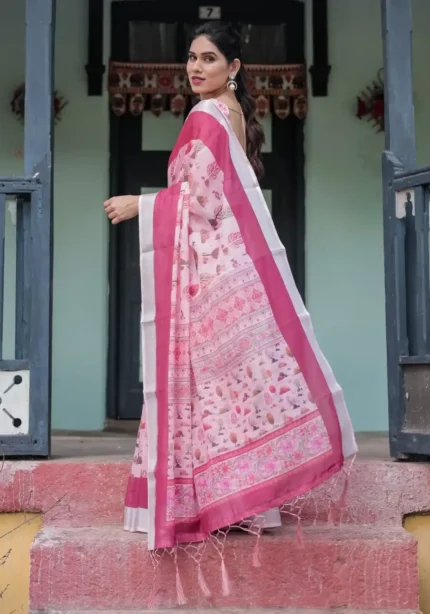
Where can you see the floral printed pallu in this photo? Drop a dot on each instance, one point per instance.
(242, 412)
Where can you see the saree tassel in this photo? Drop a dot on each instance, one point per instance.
(202, 583)
(299, 533)
(179, 588)
(330, 515)
(342, 500)
(256, 554)
(151, 599)
(225, 580)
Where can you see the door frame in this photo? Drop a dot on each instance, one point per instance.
(120, 52)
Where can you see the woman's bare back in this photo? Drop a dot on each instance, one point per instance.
(239, 126)
(237, 118)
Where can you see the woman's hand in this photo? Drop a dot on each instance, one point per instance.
(121, 208)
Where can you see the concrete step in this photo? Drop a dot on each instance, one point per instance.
(231, 611)
(81, 493)
(348, 567)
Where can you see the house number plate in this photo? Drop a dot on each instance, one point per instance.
(210, 12)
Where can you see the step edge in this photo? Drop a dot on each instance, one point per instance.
(346, 532)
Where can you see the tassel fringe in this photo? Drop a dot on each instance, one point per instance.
(202, 583)
(299, 532)
(342, 500)
(179, 588)
(180, 595)
(256, 553)
(225, 580)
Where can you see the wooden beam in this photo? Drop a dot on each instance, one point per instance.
(38, 160)
(320, 70)
(95, 67)
(398, 84)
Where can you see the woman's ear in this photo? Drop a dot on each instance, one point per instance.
(235, 67)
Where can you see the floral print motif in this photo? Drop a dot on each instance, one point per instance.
(232, 380)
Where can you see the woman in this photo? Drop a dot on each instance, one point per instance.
(242, 412)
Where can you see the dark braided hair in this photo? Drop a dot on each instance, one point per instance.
(227, 39)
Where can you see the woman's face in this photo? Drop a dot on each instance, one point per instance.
(207, 68)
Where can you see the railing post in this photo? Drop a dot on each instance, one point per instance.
(398, 84)
(38, 159)
(400, 154)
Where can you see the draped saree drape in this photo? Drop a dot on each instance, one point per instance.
(242, 412)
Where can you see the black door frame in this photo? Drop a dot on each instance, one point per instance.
(121, 14)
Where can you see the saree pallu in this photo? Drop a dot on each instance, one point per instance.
(242, 412)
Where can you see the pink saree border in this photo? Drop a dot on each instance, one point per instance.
(202, 125)
(164, 224)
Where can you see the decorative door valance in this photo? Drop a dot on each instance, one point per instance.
(165, 86)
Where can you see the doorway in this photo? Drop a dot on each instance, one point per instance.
(149, 31)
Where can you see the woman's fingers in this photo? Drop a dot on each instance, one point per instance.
(119, 208)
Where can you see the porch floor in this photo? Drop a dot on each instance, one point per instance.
(117, 443)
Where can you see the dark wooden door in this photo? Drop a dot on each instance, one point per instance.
(151, 31)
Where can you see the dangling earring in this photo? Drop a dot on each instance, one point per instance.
(232, 85)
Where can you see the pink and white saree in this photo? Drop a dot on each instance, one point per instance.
(242, 412)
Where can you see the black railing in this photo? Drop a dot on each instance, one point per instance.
(407, 271)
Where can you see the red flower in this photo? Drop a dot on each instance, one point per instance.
(378, 108)
(361, 108)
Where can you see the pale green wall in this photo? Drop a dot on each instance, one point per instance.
(343, 209)
(80, 228)
(344, 243)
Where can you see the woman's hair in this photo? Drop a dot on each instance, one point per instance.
(227, 39)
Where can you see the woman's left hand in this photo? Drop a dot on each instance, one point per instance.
(121, 208)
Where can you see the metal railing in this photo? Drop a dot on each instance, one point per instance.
(25, 380)
(407, 276)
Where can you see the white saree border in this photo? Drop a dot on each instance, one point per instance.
(149, 347)
(261, 211)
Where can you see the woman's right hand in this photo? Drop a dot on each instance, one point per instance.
(121, 208)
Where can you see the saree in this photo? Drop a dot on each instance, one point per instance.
(242, 411)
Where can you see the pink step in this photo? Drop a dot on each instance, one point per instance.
(74, 494)
(236, 611)
(349, 567)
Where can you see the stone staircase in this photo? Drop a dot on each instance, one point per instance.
(82, 561)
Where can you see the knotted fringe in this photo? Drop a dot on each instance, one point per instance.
(299, 532)
(330, 515)
(293, 509)
(342, 500)
(335, 509)
(256, 553)
(180, 595)
(202, 583)
(151, 597)
(225, 582)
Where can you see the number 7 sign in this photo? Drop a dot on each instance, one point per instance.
(209, 12)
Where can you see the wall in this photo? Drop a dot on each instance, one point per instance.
(345, 278)
(419, 526)
(17, 533)
(345, 285)
(80, 228)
